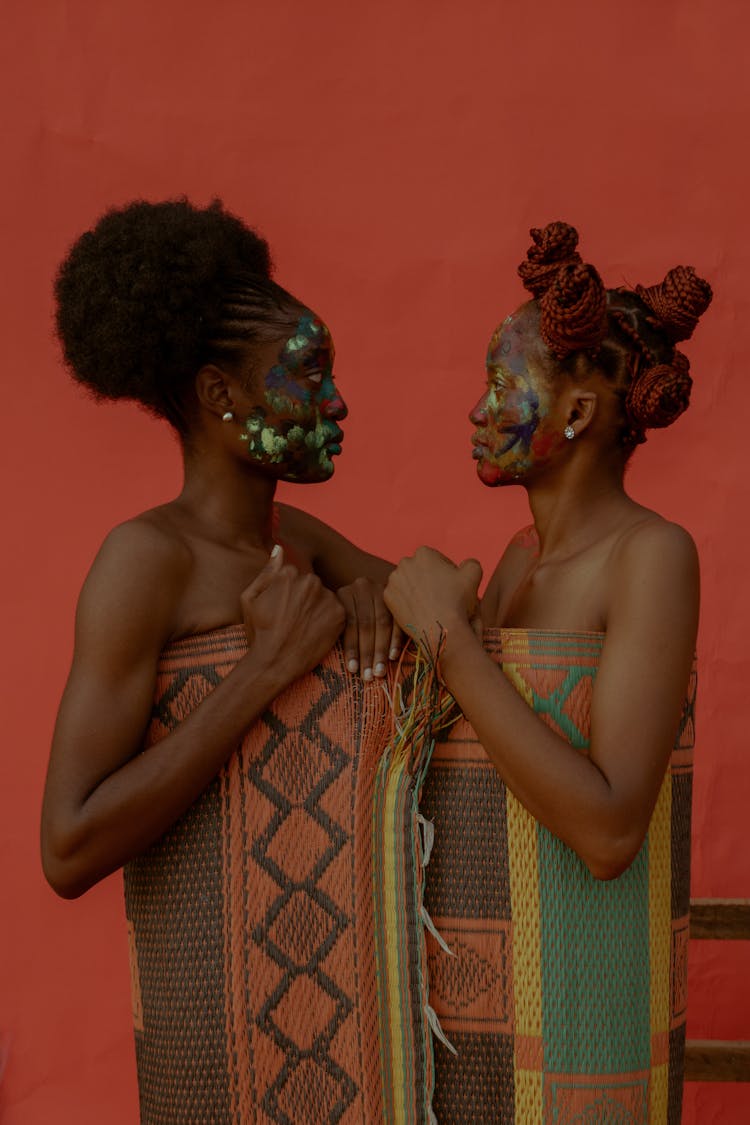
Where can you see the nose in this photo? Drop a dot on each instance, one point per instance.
(478, 414)
(335, 408)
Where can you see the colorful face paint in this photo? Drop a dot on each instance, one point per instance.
(295, 427)
(513, 433)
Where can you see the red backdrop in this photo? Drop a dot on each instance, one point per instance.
(395, 154)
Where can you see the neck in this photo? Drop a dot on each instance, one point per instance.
(578, 503)
(227, 498)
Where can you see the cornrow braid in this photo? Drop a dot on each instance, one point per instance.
(623, 370)
(252, 310)
(651, 376)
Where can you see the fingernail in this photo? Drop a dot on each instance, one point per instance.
(367, 675)
(353, 665)
(393, 654)
(380, 669)
(275, 550)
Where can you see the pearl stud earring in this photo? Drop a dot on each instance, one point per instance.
(228, 417)
(569, 433)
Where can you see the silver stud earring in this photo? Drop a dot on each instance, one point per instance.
(228, 417)
(569, 433)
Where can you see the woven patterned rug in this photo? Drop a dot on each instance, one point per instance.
(277, 946)
(565, 996)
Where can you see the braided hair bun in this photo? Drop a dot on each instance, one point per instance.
(657, 397)
(553, 246)
(678, 301)
(574, 310)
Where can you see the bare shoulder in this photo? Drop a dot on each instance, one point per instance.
(518, 556)
(659, 544)
(145, 546)
(522, 549)
(655, 579)
(137, 577)
(527, 539)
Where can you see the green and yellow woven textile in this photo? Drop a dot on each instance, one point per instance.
(564, 997)
(277, 938)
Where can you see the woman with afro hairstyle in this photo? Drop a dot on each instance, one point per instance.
(559, 876)
(211, 738)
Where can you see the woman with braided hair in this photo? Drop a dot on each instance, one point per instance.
(559, 876)
(211, 738)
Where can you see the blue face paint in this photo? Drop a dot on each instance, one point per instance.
(512, 434)
(296, 426)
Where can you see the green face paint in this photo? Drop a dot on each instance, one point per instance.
(295, 428)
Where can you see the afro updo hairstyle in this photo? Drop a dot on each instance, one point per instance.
(156, 290)
(628, 335)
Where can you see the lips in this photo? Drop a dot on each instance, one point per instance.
(483, 448)
(336, 438)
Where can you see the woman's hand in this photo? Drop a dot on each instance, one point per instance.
(429, 595)
(291, 619)
(371, 636)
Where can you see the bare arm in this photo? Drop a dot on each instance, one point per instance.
(106, 799)
(370, 637)
(334, 558)
(600, 804)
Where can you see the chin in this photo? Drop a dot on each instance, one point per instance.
(493, 477)
(318, 475)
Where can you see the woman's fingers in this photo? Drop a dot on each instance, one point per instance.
(383, 638)
(369, 634)
(365, 627)
(351, 631)
(396, 641)
(264, 579)
(472, 571)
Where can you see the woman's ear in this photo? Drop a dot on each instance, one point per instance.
(213, 389)
(580, 410)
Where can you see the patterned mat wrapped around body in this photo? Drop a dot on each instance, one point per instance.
(565, 996)
(254, 922)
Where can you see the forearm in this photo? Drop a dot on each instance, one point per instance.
(561, 787)
(133, 806)
(336, 572)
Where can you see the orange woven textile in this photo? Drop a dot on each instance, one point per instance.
(254, 920)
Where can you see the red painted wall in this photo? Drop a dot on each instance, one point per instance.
(395, 153)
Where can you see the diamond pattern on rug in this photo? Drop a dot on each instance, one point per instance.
(302, 932)
(294, 769)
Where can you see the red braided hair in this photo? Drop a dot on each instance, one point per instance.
(678, 302)
(658, 395)
(574, 311)
(553, 246)
(641, 328)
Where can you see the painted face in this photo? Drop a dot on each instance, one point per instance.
(514, 434)
(295, 427)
